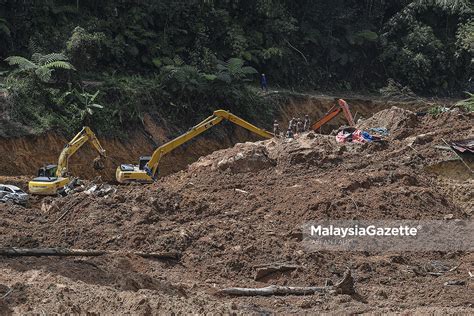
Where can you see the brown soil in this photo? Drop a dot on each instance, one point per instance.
(24, 155)
(242, 207)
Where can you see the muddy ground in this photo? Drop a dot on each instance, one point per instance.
(241, 208)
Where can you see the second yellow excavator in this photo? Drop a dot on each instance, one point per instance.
(54, 178)
(147, 168)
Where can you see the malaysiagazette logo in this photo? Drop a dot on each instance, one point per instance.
(356, 230)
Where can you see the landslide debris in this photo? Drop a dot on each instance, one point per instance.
(239, 209)
(399, 122)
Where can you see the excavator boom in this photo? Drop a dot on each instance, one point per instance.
(53, 178)
(333, 112)
(70, 149)
(145, 173)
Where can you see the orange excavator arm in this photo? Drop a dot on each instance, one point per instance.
(333, 112)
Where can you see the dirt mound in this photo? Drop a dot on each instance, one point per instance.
(247, 157)
(228, 222)
(397, 121)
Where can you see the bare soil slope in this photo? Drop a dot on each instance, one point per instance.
(237, 209)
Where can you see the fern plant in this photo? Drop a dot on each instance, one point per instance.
(234, 70)
(42, 66)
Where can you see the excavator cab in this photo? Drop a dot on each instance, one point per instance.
(48, 171)
(143, 161)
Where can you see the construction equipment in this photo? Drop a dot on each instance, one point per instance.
(333, 112)
(146, 170)
(52, 179)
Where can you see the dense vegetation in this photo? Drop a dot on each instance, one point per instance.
(182, 58)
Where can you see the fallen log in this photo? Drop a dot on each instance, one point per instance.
(65, 252)
(345, 286)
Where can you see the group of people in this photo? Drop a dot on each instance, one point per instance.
(295, 126)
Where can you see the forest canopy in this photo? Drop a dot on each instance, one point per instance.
(424, 44)
(205, 50)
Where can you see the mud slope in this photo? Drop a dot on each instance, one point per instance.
(241, 208)
(24, 155)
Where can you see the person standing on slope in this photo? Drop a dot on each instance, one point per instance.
(306, 123)
(276, 129)
(263, 83)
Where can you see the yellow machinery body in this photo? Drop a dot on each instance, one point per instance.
(53, 178)
(48, 186)
(146, 170)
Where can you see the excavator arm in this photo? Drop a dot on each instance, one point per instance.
(53, 179)
(216, 118)
(73, 146)
(129, 173)
(333, 112)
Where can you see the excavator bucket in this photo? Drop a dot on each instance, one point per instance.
(99, 163)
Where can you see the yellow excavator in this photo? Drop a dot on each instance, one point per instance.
(146, 170)
(52, 179)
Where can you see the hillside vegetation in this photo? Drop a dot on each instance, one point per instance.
(107, 63)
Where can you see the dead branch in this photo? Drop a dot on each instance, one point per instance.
(64, 252)
(345, 286)
(296, 49)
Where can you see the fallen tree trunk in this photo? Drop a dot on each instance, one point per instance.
(64, 252)
(274, 290)
(345, 286)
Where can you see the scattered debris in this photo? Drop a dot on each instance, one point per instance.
(241, 191)
(223, 235)
(381, 131)
(459, 156)
(396, 120)
(455, 282)
(345, 286)
(100, 190)
(354, 135)
(463, 146)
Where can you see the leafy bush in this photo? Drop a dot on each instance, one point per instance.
(84, 48)
(29, 103)
(467, 104)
